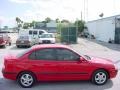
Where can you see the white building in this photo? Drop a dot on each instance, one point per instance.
(51, 24)
(105, 29)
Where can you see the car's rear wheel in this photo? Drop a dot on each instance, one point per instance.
(100, 77)
(26, 79)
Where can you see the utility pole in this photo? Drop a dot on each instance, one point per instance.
(85, 10)
(81, 15)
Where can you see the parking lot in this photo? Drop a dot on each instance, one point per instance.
(84, 46)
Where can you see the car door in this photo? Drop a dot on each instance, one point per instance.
(70, 67)
(43, 63)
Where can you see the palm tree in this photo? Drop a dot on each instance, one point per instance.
(19, 23)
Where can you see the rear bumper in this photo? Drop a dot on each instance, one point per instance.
(2, 44)
(23, 44)
(9, 75)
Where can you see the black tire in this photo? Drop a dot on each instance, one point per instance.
(9, 43)
(22, 81)
(102, 79)
(4, 46)
(18, 46)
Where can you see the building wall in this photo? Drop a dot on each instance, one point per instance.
(102, 29)
(51, 24)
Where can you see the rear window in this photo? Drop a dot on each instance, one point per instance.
(24, 37)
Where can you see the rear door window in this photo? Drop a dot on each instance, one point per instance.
(41, 32)
(30, 32)
(35, 32)
(43, 54)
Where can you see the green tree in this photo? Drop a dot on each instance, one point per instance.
(80, 25)
(57, 20)
(32, 24)
(26, 25)
(65, 21)
(43, 21)
(19, 23)
(47, 20)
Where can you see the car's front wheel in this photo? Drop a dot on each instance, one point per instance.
(100, 77)
(26, 79)
(4, 46)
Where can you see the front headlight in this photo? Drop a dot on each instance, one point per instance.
(53, 41)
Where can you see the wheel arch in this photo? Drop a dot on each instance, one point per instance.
(27, 72)
(103, 70)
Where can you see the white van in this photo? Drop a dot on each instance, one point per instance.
(36, 33)
(33, 33)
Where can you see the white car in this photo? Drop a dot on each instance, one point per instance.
(47, 38)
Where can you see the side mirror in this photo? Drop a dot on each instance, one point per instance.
(82, 59)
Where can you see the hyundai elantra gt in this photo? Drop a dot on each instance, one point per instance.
(56, 63)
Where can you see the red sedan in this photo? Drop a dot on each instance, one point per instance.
(56, 63)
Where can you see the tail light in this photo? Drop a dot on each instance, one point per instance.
(17, 41)
(2, 41)
(27, 41)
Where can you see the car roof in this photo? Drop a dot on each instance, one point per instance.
(50, 46)
(48, 33)
(23, 35)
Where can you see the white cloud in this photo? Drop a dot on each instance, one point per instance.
(19, 1)
(69, 9)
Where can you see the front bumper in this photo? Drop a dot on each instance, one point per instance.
(23, 44)
(113, 73)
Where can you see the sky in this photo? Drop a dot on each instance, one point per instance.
(28, 10)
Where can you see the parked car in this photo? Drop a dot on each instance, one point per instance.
(4, 40)
(24, 40)
(47, 38)
(52, 62)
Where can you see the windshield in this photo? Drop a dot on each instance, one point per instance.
(46, 36)
(23, 52)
